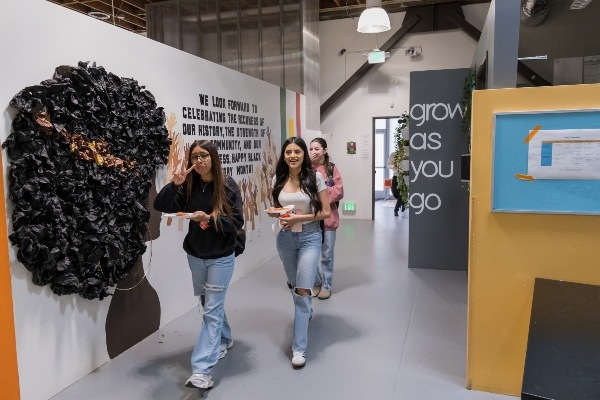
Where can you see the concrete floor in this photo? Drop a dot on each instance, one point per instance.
(387, 333)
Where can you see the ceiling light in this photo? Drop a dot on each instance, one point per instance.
(373, 19)
(98, 15)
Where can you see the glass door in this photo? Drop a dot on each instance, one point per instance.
(384, 145)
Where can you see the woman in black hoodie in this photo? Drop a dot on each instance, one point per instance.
(214, 204)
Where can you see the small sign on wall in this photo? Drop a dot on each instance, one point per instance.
(351, 147)
(568, 71)
(349, 208)
(577, 70)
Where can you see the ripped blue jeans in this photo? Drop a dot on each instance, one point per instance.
(299, 252)
(210, 278)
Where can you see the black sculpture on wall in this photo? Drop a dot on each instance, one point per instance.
(83, 148)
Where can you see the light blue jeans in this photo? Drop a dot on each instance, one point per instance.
(299, 252)
(325, 273)
(210, 278)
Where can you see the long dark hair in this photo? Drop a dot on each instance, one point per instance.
(323, 144)
(220, 202)
(306, 177)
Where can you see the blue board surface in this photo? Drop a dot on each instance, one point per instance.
(510, 154)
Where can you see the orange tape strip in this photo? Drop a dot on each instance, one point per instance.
(532, 134)
(524, 177)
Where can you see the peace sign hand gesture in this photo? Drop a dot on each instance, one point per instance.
(179, 178)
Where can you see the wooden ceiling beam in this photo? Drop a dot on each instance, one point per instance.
(71, 2)
(125, 8)
(141, 4)
(121, 23)
(75, 7)
(107, 9)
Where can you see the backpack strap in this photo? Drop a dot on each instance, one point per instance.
(330, 170)
(330, 176)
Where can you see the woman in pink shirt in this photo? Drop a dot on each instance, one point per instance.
(335, 188)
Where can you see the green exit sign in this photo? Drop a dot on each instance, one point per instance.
(349, 206)
(376, 57)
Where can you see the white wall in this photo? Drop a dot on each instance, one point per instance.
(62, 338)
(351, 118)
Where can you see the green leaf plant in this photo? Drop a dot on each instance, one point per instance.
(399, 143)
(469, 86)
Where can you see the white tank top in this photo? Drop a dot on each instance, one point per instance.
(300, 200)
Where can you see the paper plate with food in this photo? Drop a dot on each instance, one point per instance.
(280, 210)
(179, 214)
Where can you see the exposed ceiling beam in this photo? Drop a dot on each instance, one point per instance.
(527, 73)
(366, 67)
(464, 25)
(328, 9)
(123, 17)
(530, 75)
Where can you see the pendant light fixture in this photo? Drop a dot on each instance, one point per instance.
(374, 19)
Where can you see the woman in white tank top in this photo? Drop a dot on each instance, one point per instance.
(299, 240)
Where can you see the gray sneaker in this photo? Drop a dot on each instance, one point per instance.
(224, 347)
(200, 381)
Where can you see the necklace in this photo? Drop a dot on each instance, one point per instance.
(204, 186)
(292, 176)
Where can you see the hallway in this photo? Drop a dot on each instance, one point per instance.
(387, 333)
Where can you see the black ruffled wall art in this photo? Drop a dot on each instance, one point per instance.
(83, 150)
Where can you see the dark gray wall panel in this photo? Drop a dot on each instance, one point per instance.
(439, 208)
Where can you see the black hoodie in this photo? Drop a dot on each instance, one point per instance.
(219, 240)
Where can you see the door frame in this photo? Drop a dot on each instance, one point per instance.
(373, 133)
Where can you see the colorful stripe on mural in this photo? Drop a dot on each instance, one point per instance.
(298, 119)
(282, 113)
(290, 113)
(9, 375)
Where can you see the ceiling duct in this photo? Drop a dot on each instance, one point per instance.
(533, 12)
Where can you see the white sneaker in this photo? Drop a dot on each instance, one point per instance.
(200, 381)
(224, 347)
(298, 359)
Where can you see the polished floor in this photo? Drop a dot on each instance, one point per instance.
(387, 333)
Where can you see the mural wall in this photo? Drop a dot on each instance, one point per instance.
(60, 338)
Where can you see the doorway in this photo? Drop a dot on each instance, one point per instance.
(383, 146)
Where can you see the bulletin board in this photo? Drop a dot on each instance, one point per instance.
(546, 162)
